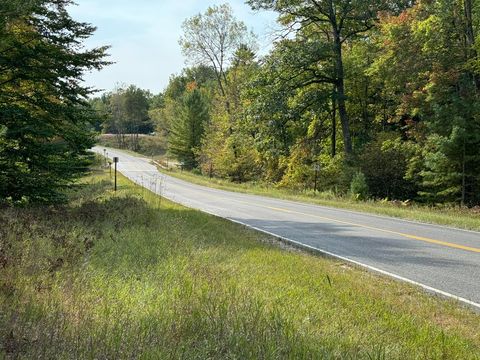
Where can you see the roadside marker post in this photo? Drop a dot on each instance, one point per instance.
(115, 161)
(105, 156)
(316, 167)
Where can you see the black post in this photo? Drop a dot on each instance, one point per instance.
(316, 167)
(105, 156)
(115, 160)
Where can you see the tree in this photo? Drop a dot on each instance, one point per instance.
(45, 123)
(384, 163)
(211, 39)
(228, 147)
(427, 48)
(101, 107)
(163, 113)
(333, 23)
(129, 115)
(136, 105)
(288, 111)
(187, 130)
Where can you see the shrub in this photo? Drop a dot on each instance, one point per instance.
(335, 174)
(299, 174)
(359, 187)
(384, 162)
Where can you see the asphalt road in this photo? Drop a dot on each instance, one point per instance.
(437, 258)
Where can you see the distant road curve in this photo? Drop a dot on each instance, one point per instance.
(440, 259)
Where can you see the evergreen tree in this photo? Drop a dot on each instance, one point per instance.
(425, 48)
(186, 133)
(45, 124)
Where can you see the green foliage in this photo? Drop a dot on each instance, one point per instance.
(359, 187)
(128, 115)
(322, 30)
(165, 112)
(187, 130)
(101, 107)
(335, 174)
(395, 84)
(384, 162)
(299, 172)
(430, 48)
(45, 123)
(125, 112)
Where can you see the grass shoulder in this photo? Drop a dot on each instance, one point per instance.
(132, 275)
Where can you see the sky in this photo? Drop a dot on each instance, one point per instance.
(143, 35)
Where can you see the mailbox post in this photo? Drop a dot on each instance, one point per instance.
(115, 161)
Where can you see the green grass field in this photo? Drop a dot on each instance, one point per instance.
(462, 218)
(148, 145)
(130, 275)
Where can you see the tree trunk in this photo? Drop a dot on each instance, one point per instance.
(340, 85)
(470, 38)
(334, 123)
(339, 79)
(462, 202)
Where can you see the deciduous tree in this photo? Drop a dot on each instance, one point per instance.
(211, 39)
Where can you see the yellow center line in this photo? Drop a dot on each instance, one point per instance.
(408, 236)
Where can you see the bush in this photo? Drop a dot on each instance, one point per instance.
(335, 174)
(359, 187)
(384, 162)
(299, 173)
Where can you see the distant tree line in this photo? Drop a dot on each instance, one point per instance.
(125, 113)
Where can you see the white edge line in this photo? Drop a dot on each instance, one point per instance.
(369, 267)
(330, 254)
(308, 204)
(326, 207)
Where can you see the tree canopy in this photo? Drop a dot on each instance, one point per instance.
(45, 125)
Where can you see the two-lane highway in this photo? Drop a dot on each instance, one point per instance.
(440, 259)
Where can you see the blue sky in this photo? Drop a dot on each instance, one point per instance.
(144, 37)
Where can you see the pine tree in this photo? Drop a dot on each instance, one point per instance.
(428, 66)
(452, 154)
(186, 133)
(45, 124)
